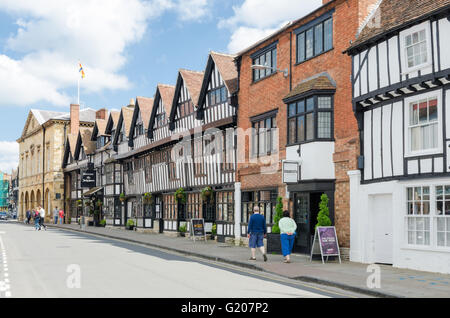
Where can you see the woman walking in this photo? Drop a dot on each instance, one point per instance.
(287, 229)
(37, 219)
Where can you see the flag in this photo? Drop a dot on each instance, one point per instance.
(81, 71)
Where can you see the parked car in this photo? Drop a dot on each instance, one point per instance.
(3, 216)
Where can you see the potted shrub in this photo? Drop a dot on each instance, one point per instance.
(213, 231)
(102, 223)
(122, 197)
(79, 203)
(180, 196)
(323, 218)
(130, 225)
(182, 229)
(273, 239)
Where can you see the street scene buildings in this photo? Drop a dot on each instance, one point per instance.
(348, 101)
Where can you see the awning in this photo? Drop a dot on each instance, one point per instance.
(92, 191)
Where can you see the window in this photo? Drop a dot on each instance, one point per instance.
(315, 40)
(128, 168)
(443, 215)
(228, 152)
(264, 136)
(225, 206)
(148, 169)
(217, 96)
(185, 108)
(416, 49)
(109, 169)
(423, 124)
(198, 157)
(302, 119)
(170, 207)
(419, 216)
(268, 58)
(160, 119)
(139, 129)
(265, 199)
(193, 205)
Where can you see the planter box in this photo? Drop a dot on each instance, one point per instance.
(273, 243)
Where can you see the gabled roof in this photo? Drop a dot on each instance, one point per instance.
(318, 82)
(145, 106)
(85, 139)
(227, 70)
(125, 118)
(115, 118)
(99, 128)
(192, 80)
(391, 15)
(166, 92)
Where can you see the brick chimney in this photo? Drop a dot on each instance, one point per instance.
(325, 1)
(100, 114)
(74, 118)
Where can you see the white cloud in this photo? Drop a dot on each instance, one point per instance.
(9, 156)
(255, 19)
(52, 36)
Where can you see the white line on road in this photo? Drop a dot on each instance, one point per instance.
(5, 285)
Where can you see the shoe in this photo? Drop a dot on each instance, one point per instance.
(252, 259)
(265, 257)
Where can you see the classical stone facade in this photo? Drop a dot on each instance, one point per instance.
(41, 150)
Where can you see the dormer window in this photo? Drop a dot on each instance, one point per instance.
(138, 129)
(416, 48)
(217, 96)
(185, 108)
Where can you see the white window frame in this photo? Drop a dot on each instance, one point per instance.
(433, 94)
(433, 247)
(404, 56)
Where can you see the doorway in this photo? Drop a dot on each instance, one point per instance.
(306, 209)
(382, 229)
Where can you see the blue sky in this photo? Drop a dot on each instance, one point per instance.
(125, 46)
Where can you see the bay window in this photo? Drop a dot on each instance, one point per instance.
(310, 119)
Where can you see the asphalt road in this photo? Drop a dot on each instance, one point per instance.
(56, 263)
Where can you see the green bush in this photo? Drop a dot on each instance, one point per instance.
(180, 195)
(323, 218)
(103, 222)
(130, 223)
(278, 215)
(214, 229)
(182, 228)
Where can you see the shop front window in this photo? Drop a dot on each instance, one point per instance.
(418, 218)
(225, 206)
(266, 200)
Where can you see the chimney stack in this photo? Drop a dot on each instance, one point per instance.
(74, 118)
(100, 114)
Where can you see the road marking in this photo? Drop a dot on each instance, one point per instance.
(5, 285)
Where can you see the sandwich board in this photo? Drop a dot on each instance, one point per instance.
(325, 243)
(198, 229)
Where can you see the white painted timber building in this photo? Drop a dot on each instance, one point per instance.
(400, 196)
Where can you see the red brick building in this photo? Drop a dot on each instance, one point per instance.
(300, 106)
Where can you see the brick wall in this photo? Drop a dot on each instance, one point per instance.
(267, 94)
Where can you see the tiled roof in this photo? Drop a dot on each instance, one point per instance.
(115, 118)
(193, 81)
(86, 134)
(145, 107)
(127, 113)
(72, 138)
(392, 14)
(101, 126)
(227, 69)
(166, 92)
(321, 82)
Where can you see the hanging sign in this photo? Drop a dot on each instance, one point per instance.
(198, 228)
(290, 172)
(326, 239)
(88, 179)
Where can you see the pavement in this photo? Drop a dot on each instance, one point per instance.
(392, 282)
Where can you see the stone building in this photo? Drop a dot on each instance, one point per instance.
(41, 150)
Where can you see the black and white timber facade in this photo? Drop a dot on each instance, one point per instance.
(401, 93)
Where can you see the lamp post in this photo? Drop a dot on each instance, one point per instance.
(267, 67)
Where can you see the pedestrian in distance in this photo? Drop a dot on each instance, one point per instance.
(55, 215)
(28, 216)
(42, 217)
(61, 216)
(287, 235)
(256, 232)
(37, 218)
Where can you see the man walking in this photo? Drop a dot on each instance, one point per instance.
(42, 218)
(55, 215)
(28, 216)
(256, 232)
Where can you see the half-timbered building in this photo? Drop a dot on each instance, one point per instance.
(400, 211)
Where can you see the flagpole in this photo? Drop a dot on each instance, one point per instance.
(78, 90)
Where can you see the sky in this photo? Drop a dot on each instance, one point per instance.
(126, 48)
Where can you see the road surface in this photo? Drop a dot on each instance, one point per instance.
(57, 263)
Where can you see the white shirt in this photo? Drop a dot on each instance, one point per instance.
(42, 212)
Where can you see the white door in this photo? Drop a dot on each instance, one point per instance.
(382, 228)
